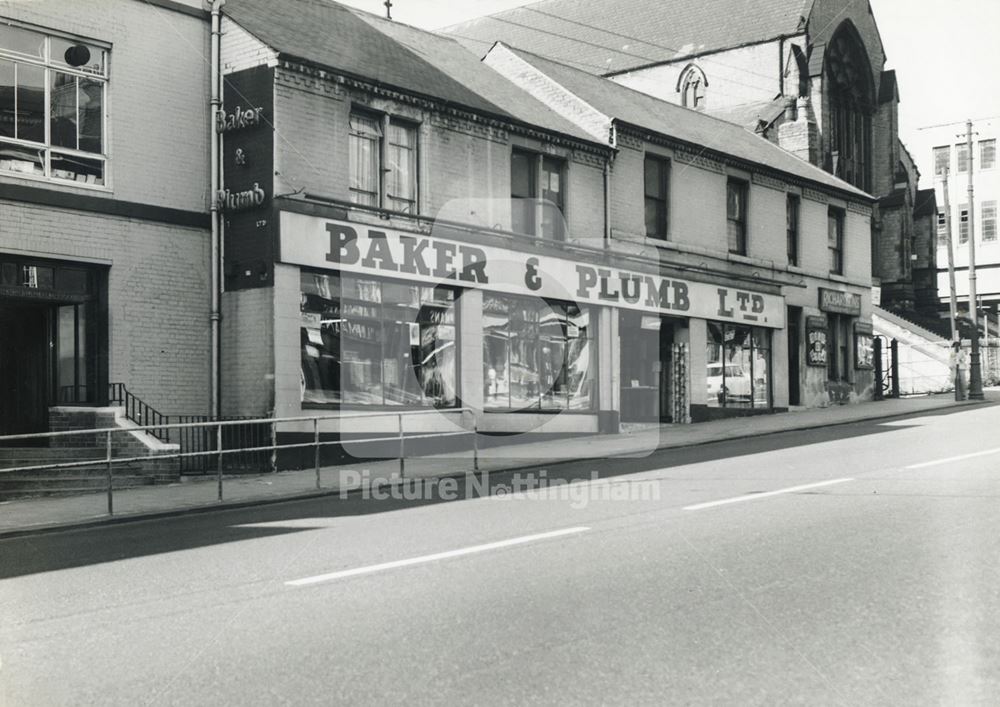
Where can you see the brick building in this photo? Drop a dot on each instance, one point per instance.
(809, 76)
(104, 196)
(411, 229)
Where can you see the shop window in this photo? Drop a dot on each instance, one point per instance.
(987, 154)
(52, 121)
(963, 224)
(942, 159)
(792, 228)
(835, 240)
(393, 187)
(738, 374)
(989, 220)
(657, 182)
(736, 216)
(962, 156)
(376, 342)
(537, 191)
(537, 354)
(838, 347)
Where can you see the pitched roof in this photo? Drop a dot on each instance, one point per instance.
(672, 121)
(592, 36)
(361, 45)
(925, 204)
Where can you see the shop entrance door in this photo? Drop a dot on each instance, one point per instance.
(24, 368)
(646, 342)
(794, 356)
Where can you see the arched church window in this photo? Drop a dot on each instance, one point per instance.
(851, 99)
(692, 87)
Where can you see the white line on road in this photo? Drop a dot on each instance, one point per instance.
(953, 459)
(763, 494)
(433, 558)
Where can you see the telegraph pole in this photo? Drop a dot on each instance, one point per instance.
(975, 372)
(956, 339)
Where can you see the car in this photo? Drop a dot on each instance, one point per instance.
(734, 385)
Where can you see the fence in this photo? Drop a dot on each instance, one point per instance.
(218, 437)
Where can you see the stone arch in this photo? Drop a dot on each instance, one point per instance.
(691, 84)
(797, 73)
(850, 95)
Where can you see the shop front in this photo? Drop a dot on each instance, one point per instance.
(392, 320)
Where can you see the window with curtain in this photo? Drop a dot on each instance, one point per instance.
(377, 342)
(383, 162)
(835, 240)
(656, 187)
(537, 354)
(401, 189)
(52, 116)
(736, 216)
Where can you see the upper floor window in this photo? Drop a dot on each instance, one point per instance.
(377, 140)
(963, 224)
(537, 191)
(792, 228)
(962, 157)
(942, 228)
(52, 106)
(657, 179)
(987, 154)
(736, 216)
(692, 85)
(942, 159)
(989, 220)
(835, 240)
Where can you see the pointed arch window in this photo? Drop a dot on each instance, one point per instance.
(691, 86)
(852, 102)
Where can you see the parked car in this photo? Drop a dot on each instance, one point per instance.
(734, 385)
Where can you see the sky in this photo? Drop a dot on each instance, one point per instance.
(945, 55)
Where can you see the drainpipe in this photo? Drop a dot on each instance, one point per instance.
(216, 159)
(613, 141)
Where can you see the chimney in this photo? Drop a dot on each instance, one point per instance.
(798, 132)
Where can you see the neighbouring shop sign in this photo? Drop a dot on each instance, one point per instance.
(816, 341)
(354, 247)
(840, 302)
(864, 347)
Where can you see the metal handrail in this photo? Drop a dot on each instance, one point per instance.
(109, 460)
(138, 411)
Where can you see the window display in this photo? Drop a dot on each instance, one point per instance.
(536, 354)
(375, 342)
(738, 366)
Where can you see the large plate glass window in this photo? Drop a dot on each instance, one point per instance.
(375, 342)
(537, 354)
(53, 102)
(738, 374)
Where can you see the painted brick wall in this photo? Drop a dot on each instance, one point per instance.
(157, 95)
(247, 352)
(158, 295)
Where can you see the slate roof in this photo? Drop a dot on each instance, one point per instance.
(697, 129)
(601, 37)
(358, 44)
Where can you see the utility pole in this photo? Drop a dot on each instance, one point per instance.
(956, 339)
(975, 372)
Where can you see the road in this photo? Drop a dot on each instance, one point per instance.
(854, 564)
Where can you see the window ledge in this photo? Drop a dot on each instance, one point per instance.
(63, 183)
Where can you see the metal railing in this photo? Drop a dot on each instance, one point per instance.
(139, 412)
(217, 427)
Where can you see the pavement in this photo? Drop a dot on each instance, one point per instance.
(201, 493)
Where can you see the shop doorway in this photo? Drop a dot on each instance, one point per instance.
(646, 344)
(24, 367)
(793, 320)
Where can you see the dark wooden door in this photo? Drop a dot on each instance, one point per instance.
(24, 366)
(794, 317)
